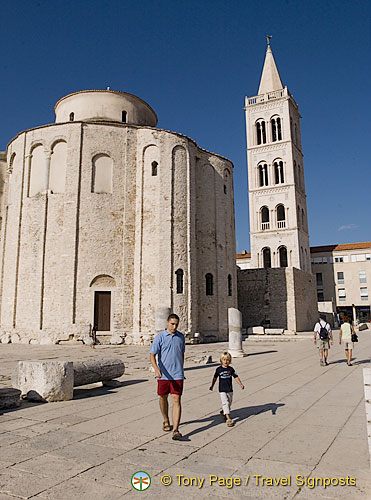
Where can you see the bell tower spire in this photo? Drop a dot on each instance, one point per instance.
(270, 79)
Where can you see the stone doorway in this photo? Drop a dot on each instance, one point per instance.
(102, 311)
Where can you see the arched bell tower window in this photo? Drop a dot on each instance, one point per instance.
(229, 285)
(296, 134)
(179, 280)
(72, 116)
(263, 174)
(209, 284)
(267, 258)
(302, 219)
(281, 216)
(154, 168)
(261, 134)
(264, 216)
(278, 172)
(282, 252)
(276, 129)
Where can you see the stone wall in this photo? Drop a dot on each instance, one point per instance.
(277, 298)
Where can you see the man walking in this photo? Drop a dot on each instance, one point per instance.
(169, 345)
(323, 338)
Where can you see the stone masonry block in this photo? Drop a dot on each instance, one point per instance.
(43, 380)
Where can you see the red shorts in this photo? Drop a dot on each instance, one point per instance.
(164, 387)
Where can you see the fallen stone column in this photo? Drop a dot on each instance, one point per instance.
(101, 370)
(9, 398)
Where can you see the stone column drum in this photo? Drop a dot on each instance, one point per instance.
(235, 333)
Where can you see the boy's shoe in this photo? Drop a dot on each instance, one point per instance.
(222, 414)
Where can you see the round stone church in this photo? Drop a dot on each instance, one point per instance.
(107, 220)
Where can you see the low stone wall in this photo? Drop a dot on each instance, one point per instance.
(277, 298)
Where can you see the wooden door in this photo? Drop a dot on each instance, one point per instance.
(102, 311)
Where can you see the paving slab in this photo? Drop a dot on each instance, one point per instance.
(23, 484)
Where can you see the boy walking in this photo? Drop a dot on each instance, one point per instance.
(225, 372)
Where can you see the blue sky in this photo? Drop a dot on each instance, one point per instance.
(193, 62)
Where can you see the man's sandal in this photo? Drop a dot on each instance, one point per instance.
(166, 427)
(177, 436)
(230, 423)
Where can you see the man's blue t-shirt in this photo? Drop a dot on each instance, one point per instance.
(169, 349)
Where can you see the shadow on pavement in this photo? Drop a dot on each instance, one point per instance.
(88, 392)
(202, 366)
(263, 352)
(238, 416)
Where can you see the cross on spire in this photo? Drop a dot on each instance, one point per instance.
(268, 37)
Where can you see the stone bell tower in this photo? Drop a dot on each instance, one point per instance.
(277, 199)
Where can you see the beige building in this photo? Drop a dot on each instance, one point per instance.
(106, 220)
(275, 286)
(343, 278)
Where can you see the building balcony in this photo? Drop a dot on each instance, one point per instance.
(281, 224)
(265, 225)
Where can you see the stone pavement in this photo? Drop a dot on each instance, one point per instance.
(294, 418)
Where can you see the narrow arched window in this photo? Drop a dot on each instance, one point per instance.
(264, 215)
(302, 218)
(209, 284)
(279, 130)
(72, 117)
(281, 216)
(278, 172)
(298, 216)
(274, 131)
(261, 135)
(267, 258)
(179, 280)
(124, 116)
(229, 285)
(154, 168)
(296, 134)
(282, 251)
(263, 174)
(295, 173)
(225, 189)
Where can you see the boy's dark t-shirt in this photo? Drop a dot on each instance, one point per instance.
(225, 378)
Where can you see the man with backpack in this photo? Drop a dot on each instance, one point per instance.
(323, 338)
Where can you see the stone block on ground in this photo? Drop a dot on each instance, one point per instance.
(363, 326)
(274, 331)
(116, 340)
(204, 360)
(9, 398)
(44, 380)
(100, 370)
(256, 330)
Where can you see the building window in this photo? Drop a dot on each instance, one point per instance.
(282, 251)
(281, 217)
(72, 117)
(298, 210)
(368, 256)
(362, 276)
(278, 172)
(101, 174)
(276, 129)
(319, 279)
(364, 293)
(339, 259)
(261, 135)
(154, 168)
(296, 135)
(264, 216)
(124, 117)
(179, 280)
(225, 189)
(229, 285)
(263, 174)
(209, 284)
(342, 295)
(302, 218)
(267, 258)
(340, 278)
(320, 296)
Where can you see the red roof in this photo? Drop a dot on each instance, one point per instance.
(338, 248)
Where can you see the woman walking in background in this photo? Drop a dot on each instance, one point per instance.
(345, 334)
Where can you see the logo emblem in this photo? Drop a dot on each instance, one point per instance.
(140, 480)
